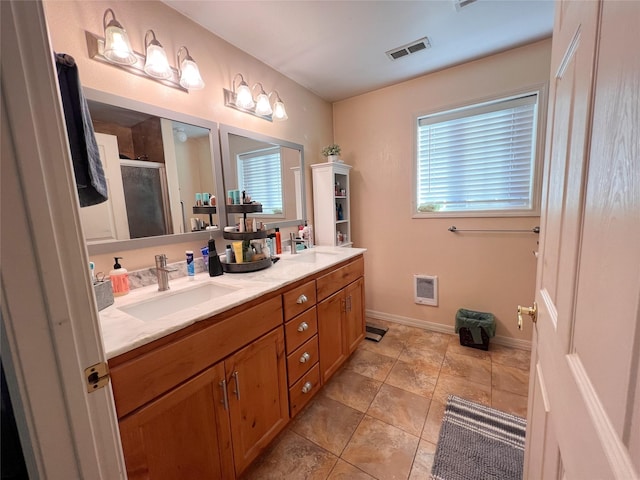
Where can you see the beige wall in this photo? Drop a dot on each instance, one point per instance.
(486, 272)
(310, 121)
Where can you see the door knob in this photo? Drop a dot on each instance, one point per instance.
(531, 311)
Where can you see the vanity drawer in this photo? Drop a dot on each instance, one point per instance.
(301, 329)
(341, 277)
(299, 362)
(304, 390)
(297, 300)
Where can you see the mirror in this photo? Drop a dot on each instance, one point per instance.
(270, 170)
(157, 164)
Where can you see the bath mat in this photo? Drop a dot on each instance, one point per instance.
(478, 442)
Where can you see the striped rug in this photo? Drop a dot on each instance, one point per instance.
(478, 442)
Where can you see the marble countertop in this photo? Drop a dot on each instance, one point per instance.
(122, 331)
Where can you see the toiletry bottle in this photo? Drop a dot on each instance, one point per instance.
(229, 254)
(215, 267)
(119, 279)
(278, 242)
(191, 268)
(340, 214)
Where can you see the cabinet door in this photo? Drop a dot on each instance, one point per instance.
(180, 435)
(331, 334)
(258, 396)
(354, 324)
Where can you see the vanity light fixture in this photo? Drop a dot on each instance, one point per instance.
(244, 98)
(279, 112)
(156, 64)
(240, 98)
(263, 105)
(181, 135)
(189, 72)
(117, 48)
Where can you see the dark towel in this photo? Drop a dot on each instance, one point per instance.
(87, 167)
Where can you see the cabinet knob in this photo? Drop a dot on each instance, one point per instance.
(301, 299)
(306, 388)
(305, 357)
(303, 326)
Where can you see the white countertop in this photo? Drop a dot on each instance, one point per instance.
(122, 332)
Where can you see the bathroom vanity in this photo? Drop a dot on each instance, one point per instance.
(202, 391)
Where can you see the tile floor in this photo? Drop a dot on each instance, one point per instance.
(379, 416)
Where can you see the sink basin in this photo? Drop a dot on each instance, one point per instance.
(309, 257)
(173, 302)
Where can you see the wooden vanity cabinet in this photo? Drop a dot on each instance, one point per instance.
(182, 434)
(341, 322)
(212, 424)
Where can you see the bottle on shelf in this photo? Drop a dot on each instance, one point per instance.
(278, 242)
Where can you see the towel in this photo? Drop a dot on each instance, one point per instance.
(87, 166)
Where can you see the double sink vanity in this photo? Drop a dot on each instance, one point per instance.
(205, 375)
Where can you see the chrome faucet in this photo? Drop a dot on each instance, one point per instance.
(295, 240)
(162, 272)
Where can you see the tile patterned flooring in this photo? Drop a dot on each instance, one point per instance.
(379, 416)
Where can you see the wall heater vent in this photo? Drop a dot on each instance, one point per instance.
(425, 288)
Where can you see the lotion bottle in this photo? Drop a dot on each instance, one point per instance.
(119, 279)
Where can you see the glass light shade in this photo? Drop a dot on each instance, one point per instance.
(263, 106)
(156, 64)
(244, 99)
(279, 112)
(190, 77)
(117, 47)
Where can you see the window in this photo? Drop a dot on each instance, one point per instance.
(478, 159)
(260, 175)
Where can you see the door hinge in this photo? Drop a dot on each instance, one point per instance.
(97, 376)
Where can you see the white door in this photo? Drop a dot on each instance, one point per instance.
(107, 221)
(49, 329)
(584, 395)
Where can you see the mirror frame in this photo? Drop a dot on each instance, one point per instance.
(216, 168)
(227, 166)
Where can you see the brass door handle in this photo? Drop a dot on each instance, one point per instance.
(531, 311)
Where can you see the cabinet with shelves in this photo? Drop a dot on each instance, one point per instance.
(331, 204)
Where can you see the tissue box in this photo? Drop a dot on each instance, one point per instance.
(104, 294)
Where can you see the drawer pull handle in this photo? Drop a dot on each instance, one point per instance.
(306, 388)
(303, 326)
(305, 357)
(301, 299)
(237, 391)
(225, 400)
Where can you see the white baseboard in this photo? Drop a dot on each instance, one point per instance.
(440, 328)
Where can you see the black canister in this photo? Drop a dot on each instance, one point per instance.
(215, 267)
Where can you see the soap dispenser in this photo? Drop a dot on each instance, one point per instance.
(119, 279)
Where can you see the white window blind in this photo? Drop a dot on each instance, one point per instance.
(478, 158)
(260, 175)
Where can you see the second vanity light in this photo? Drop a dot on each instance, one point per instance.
(116, 50)
(240, 97)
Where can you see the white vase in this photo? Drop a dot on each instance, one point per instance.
(332, 158)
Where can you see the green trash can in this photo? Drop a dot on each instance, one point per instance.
(475, 328)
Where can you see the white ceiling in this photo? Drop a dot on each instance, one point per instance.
(337, 48)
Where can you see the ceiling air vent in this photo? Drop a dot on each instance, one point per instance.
(413, 47)
(460, 4)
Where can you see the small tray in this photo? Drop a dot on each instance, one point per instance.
(207, 210)
(246, 266)
(245, 208)
(244, 235)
